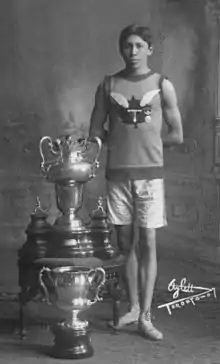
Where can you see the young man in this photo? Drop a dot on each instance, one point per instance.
(135, 101)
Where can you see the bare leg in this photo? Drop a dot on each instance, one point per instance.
(147, 267)
(147, 278)
(125, 238)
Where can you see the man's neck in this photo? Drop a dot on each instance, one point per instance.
(137, 72)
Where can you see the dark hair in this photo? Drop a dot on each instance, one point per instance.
(134, 29)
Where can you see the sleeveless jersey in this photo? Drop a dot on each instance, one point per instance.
(134, 108)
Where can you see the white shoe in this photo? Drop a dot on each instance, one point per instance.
(147, 330)
(128, 318)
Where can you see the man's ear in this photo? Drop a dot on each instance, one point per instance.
(150, 50)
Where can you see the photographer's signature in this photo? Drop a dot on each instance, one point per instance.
(186, 288)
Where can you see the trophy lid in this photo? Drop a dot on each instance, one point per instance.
(38, 218)
(39, 211)
(99, 216)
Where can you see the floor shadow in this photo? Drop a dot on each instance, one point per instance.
(25, 347)
(8, 325)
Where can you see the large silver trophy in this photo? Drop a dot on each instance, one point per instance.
(70, 287)
(70, 169)
(73, 290)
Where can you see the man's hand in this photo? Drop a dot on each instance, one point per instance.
(103, 137)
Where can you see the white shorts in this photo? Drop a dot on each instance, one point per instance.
(139, 201)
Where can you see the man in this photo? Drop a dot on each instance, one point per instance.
(135, 101)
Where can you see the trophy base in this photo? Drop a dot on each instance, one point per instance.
(71, 342)
(69, 244)
(67, 223)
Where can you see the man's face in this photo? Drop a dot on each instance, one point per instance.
(135, 52)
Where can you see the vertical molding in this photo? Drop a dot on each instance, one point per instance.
(217, 114)
(214, 5)
(217, 126)
(217, 98)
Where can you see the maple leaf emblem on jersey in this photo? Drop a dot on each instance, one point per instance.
(135, 111)
(134, 103)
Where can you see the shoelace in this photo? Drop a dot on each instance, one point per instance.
(147, 316)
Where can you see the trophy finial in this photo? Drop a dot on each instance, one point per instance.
(100, 202)
(38, 208)
(38, 204)
(99, 210)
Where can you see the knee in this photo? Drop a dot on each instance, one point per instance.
(147, 240)
(125, 240)
(125, 246)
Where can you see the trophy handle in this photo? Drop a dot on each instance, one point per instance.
(45, 165)
(92, 278)
(42, 284)
(99, 143)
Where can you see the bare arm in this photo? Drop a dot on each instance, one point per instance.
(172, 115)
(99, 114)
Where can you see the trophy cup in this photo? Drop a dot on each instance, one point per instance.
(101, 232)
(72, 289)
(70, 170)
